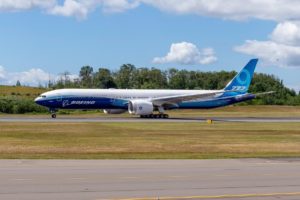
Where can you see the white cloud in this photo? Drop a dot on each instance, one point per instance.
(272, 53)
(187, 54)
(32, 77)
(282, 49)
(287, 33)
(277, 10)
(15, 5)
(81, 8)
(119, 5)
(71, 8)
(2, 73)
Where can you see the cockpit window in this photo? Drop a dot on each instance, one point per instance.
(42, 96)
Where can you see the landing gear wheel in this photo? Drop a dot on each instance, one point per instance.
(155, 116)
(165, 116)
(53, 116)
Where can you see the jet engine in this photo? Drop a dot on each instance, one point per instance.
(140, 107)
(114, 111)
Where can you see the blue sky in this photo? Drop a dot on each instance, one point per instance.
(39, 40)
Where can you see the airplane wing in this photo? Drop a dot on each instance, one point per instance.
(187, 97)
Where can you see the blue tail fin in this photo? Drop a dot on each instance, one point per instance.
(242, 80)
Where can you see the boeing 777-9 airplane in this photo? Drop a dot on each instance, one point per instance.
(150, 103)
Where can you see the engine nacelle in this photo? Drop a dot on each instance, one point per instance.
(140, 107)
(114, 111)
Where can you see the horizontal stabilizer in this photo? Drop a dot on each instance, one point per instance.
(264, 93)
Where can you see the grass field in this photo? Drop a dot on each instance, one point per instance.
(20, 92)
(148, 140)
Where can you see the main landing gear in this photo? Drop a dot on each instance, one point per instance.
(160, 114)
(155, 116)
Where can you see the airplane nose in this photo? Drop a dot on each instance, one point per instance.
(37, 100)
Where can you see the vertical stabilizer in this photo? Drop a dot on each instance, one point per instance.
(242, 80)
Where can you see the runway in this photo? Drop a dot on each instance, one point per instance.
(136, 119)
(246, 179)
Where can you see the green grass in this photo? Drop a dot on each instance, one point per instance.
(148, 140)
(21, 91)
(242, 111)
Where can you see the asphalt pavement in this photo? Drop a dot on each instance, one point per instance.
(245, 179)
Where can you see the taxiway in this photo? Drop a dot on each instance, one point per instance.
(150, 179)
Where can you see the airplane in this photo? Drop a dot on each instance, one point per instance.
(151, 103)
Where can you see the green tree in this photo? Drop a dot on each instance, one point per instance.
(18, 84)
(125, 76)
(178, 79)
(153, 78)
(103, 79)
(158, 78)
(86, 76)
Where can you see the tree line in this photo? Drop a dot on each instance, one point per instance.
(128, 77)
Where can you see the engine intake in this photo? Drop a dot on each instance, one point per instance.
(140, 107)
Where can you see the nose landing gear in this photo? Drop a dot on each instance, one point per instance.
(53, 113)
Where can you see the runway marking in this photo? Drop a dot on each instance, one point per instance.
(219, 196)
